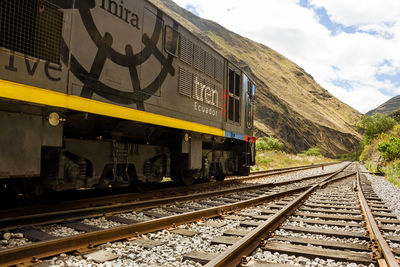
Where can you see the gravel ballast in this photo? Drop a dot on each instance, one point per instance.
(173, 246)
(389, 193)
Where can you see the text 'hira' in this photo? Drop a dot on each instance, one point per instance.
(120, 11)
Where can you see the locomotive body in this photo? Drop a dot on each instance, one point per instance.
(111, 93)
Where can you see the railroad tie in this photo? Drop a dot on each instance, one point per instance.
(313, 252)
(36, 235)
(79, 226)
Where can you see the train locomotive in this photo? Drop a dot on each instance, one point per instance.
(109, 93)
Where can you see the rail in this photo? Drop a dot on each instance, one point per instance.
(383, 253)
(57, 216)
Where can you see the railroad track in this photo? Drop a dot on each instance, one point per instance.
(290, 169)
(74, 208)
(337, 223)
(92, 197)
(132, 219)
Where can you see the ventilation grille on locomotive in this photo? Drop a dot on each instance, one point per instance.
(199, 58)
(185, 82)
(186, 51)
(31, 27)
(210, 65)
(219, 71)
(220, 99)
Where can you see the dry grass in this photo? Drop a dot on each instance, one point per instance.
(276, 160)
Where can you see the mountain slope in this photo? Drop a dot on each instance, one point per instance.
(289, 104)
(388, 107)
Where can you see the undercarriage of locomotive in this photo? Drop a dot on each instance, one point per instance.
(101, 152)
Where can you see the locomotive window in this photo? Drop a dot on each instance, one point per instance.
(237, 85)
(230, 114)
(237, 109)
(249, 114)
(171, 41)
(234, 96)
(252, 90)
(31, 27)
(231, 81)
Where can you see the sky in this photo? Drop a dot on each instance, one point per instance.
(350, 47)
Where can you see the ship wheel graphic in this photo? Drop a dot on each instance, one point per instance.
(130, 60)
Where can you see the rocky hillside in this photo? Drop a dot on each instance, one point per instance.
(388, 107)
(290, 105)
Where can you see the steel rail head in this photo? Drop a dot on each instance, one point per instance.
(384, 251)
(298, 167)
(53, 247)
(286, 170)
(330, 177)
(271, 174)
(27, 220)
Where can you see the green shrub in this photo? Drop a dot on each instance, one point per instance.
(371, 166)
(390, 150)
(367, 152)
(261, 160)
(354, 156)
(372, 126)
(313, 151)
(268, 144)
(393, 173)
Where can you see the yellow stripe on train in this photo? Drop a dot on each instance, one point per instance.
(41, 96)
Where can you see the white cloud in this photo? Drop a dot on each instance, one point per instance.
(387, 69)
(296, 32)
(360, 96)
(356, 12)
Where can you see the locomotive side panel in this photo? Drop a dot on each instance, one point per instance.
(20, 159)
(30, 51)
(130, 65)
(200, 80)
(106, 51)
(115, 53)
(30, 38)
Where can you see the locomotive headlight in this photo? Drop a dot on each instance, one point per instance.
(186, 137)
(54, 119)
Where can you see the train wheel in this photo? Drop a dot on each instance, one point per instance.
(187, 180)
(189, 177)
(135, 183)
(186, 177)
(104, 182)
(143, 187)
(220, 177)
